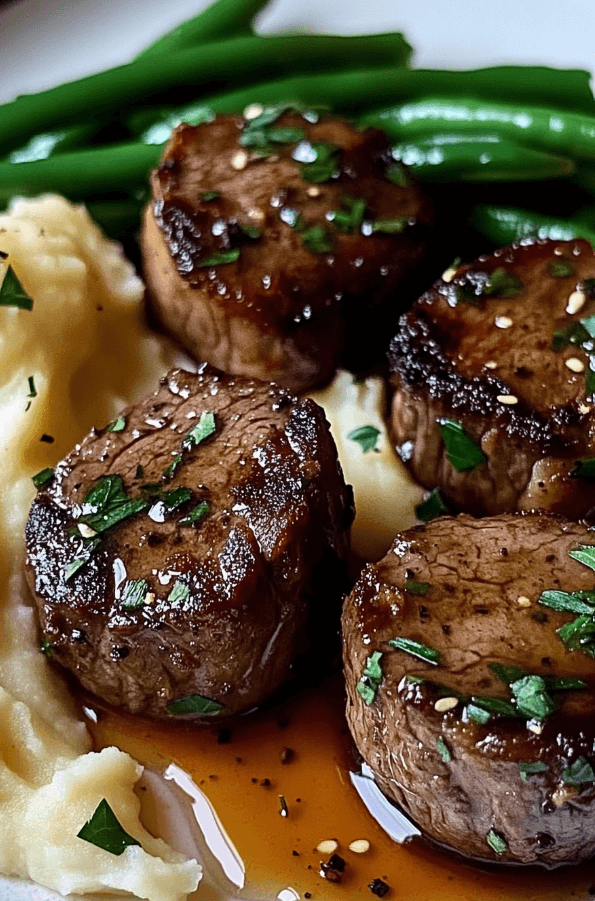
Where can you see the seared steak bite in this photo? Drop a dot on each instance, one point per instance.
(471, 687)
(272, 242)
(497, 361)
(175, 556)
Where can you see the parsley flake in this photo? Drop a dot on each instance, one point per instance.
(371, 678)
(502, 283)
(12, 293)
(196, 514)
(460, 449)
(417, 649)
(367, 437)
(394, 226)
(584, 553)
(530, 768)
(43, 478)
(117, 426)
(417, 588)
(443, 749)
(194, 704)
(318, 160)
(584, 469)
(578, 772)
(203, 429)
(496, 841)
(560, 269)
(431, 507)
(133, 594)
(104, 831)
(180, 592)
(349, 217)
(219, 259)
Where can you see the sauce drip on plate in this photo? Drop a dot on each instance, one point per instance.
(301, 750)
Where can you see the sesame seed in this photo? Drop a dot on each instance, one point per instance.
(314, 191)
(240, 160)
(535, 727)
(576, 301)
(258, 215)
(273, 158)
(328, 846)
(360, 846)
(150, 597)
(523, 601)
(253, 111)
(558, 251)
(444, 704)
(574, 364)
(448, 274)
(584, 409)
(503, 321)
(86, 531)
(491, 364)
(509, 399)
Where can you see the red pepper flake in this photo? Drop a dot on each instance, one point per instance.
(333, 869)
(379, 887)
(265, 782)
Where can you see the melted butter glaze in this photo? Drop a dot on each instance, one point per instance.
(233, 775)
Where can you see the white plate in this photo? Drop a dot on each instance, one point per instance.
(45, 42)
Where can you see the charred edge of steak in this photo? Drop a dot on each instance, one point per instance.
(417, 359)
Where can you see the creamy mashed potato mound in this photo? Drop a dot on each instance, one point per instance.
(71, 362)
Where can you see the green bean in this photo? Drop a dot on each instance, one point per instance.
(221, 20)
(214, 65)
(507, 225)
(44, 145)
(479, 158)
(118, 218)
(571, 134)
(81, 173)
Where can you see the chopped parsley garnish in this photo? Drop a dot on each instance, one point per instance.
(176, 497)
(502, 283)
(392, 226)
(432, 507)
(371, 678)
(133, 594)
(530, 768)
(317, 239)
(260, 134)
(460, 449)
(219, 259)
(397, 174)
(490, 706)
(366, 436)
(210, 195)
(532, 698)
(170, 471)
(203, 429)
(32, 391)
(579, 635)
(251, 231)
(560, 269)
(585, 467)
(179, 592)
(468, 293)
(140, 472)
(196, 514)
(443, 749)
(12, 293)
(117, 426)
(43, 478)
(578, 772)
(496, 841)
(417, 649)
(417, 588)
(73, 567)
(110, 504)
(46, 648)
(104, 831)
(584, 553)
(349, 218)
(477, 714)
(318, 160)
(589, 286)
(581, 333)
(194, 704)
(581, 602)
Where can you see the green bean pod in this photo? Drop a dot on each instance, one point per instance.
(221, 20)
(479, 158)
(211, 66)
(569, 134)
(81, 174)
(508, 225)
(354, 91)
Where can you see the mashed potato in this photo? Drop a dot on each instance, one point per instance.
(71, 362)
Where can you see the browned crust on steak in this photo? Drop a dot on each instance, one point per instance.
(449, 359)
(281, 311)
(276, 528)
(485, 579)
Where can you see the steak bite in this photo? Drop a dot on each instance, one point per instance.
(471, 685)
(176, 555)
(271, 243)
(494, 377)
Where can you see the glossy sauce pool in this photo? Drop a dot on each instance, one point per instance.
(301, 750)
